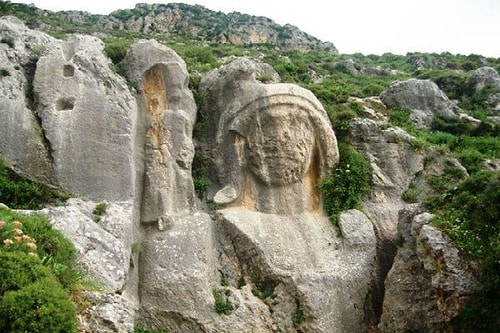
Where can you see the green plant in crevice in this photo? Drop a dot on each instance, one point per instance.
(298, 316)
(116, 48)
(264, 289)
(9, 40)
(346, 186)
(99, 211)
(222, 303)
(199, 172)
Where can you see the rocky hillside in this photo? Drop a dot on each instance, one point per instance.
(176, 21)
(245, 188)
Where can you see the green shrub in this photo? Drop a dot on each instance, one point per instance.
(18, 269)
(42, 306)
(345, 187)
(222, 303)
(20, 193)
(116, 48)
(401, 118)
(471, 159)
(341, 121)
(411, 195)
(199, 172)
(8, 40)
(99, 211)
(54, 249)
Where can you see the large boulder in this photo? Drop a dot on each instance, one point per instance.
(487, 77)
(22, 143)
(423, 98)
(428, 279)
(88, 116)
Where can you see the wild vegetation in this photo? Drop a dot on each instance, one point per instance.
(38, 276)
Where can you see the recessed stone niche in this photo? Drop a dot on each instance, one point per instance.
(64, 104)
(68, 71)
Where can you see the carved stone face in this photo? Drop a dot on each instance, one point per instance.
(279, 150)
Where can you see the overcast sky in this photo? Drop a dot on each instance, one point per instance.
(366, 26)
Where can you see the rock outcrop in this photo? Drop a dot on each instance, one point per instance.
(428, 283)
(22, 143)
(487, 77)
(423, 98)
(88, 117)
(196, 22)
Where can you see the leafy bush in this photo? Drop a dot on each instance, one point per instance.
(471, 159)
(116, 48)
(55, 250)
(222, 303)
(42, 306)
(19, 269)
(99, 211)
(345, 187)
(20, 193)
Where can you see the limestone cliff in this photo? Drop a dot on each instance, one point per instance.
(178, 20)
(259, 255)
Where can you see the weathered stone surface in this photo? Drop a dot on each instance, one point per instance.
(278, 132)
(422, 97)
(108, 313)
(271, 146)
(167, 104)
(21, 137)
(103, 247)
(88, 116)
(394, 161)
(178, 273)
(428, 279)
(487, 77)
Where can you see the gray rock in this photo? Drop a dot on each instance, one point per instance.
(139, 62)
(178, 273)
(428, 279)
(483, 77)
(394, 162)
(108, 313)
(168, 107)
(89, 117)
(103, 248)
(22, 143)
(423, 98)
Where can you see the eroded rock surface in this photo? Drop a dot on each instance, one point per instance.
(423, 98)
(428, 271)
(487, 77)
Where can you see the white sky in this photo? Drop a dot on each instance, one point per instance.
(366, 26)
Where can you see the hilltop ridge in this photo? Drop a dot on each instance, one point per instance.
(175, 21)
